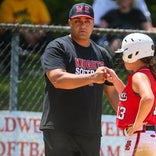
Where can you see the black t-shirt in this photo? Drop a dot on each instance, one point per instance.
(130, 20)
(75, 110)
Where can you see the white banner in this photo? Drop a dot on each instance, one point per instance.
(20, 135)
(112, 141)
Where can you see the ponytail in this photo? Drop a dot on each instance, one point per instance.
(151, 63)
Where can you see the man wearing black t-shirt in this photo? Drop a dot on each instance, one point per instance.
(74, 68)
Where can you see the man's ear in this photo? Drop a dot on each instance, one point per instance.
(69, 22)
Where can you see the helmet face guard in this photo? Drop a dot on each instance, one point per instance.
(136, 46)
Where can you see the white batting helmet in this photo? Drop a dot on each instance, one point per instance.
(136, 46)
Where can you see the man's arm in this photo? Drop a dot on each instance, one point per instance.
(112, 95)
(64, 80)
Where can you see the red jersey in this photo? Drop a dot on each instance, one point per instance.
(129, 102)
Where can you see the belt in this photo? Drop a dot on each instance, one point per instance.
(150, 128)
(147, 128)
(143, 129)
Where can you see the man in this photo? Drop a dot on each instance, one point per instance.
(75, 79)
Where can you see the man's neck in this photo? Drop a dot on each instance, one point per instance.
(81, 42)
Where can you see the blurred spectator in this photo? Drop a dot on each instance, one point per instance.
(124, 17)
(24, 12)
(101, 7)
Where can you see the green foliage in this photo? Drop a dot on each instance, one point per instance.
(152, 8)
(4, 92)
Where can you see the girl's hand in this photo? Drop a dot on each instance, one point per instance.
(110, 75)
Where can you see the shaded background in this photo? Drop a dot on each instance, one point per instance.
(59, 9)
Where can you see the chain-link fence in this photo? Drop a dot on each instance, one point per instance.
(21, 76)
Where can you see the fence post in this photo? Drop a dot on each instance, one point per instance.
(14, 71)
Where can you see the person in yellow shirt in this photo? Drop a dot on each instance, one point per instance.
(25, 12)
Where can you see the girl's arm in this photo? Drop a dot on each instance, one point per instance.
(146, 102)
(112, 77)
